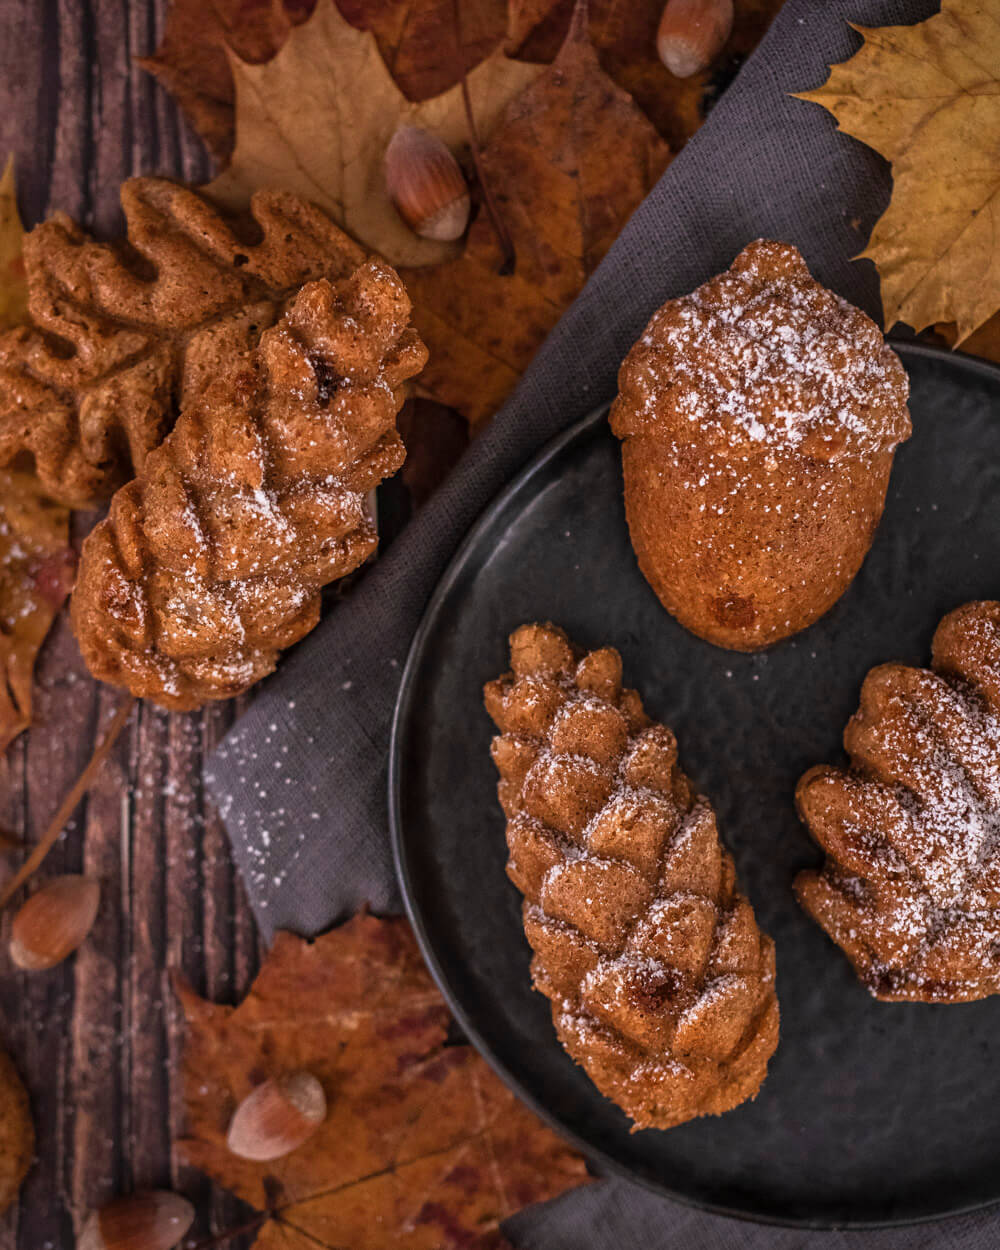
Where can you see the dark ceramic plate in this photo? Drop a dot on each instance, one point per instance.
(871, 1113)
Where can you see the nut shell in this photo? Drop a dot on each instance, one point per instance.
(277, 1117)
(53, 922)
(426, 185)
(156, 1220)
(692, 33)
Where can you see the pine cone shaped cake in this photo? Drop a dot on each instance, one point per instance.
(661, 983)
(759, 417)
(211, 561)
(911, 884)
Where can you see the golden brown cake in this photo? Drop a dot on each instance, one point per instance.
(212, 560)
(121, 335)
(911, 884)
(661, 983)
(758, 416)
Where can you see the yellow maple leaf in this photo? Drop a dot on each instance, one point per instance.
(13, 288)
(317, 118)
(927, 98)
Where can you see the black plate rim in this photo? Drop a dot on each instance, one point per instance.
(404, 701)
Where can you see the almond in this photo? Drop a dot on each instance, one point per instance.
(53, 922)
(692, 34)
(277, 1117)
(426, 185)
(151, 1221)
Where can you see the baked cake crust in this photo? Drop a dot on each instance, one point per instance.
(661, 983)
(212, 560)
(758, 416)
(911, 884)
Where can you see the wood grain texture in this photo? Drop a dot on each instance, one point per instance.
(97, 1039)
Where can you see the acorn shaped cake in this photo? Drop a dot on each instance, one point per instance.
(911, 884)
(758, 416)
(661, 983)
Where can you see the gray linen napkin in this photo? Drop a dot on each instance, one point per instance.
(301, 780)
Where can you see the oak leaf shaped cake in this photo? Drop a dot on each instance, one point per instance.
(661, 983)
(212, 560)
(910, 888)
(120, 336)
(759, 416)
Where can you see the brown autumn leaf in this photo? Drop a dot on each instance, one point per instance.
(316, 120)
(37, 565)
(417, 40)
(191, 61)
(423, 1148)
(13, 286)
(427, 44)
(625, 38)
(927, 98)
(571, 159)
(983, 342)
(435, 437)
(17, 1133)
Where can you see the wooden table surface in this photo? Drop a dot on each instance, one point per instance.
(97, 1039)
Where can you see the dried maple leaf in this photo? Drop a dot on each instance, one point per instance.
(316, 120)
(13, 288)
(415, 37)
(422, 1146)
(927, 98)
(122, 335)
(17, 1133)
(571, 159)
(625, 38)
(36, 574)
(191, 61)
(427, 44)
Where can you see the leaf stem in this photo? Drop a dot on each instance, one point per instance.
(228, 1234)
(65, 809)
(509, 260)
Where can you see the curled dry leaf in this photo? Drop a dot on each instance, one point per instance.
(122, 335)
(317, 119)
(421, 1141)
(36, 573)
(927, 98)
(13, 287)
(17, 1133)
(983, 342)
(571, 159)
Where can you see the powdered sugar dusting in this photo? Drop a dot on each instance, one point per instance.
(762, 354)
(911, 887)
